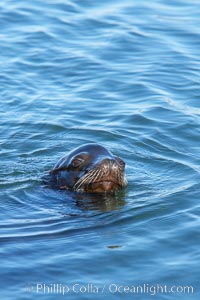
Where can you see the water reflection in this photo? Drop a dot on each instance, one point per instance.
(120, 73)
(101, 202)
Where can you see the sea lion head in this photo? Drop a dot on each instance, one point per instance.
(90, 168)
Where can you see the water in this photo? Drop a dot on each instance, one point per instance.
(124, 74)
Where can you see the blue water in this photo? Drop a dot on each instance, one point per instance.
(124, 74)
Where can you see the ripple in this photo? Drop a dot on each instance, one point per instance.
(121, 74)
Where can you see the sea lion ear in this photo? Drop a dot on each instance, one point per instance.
(120, 162)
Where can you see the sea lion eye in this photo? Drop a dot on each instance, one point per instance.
(77, 161)
(120, 161)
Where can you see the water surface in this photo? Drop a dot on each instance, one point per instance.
(124, 74)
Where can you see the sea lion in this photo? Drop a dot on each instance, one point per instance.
(90, 168)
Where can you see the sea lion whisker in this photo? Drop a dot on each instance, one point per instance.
(88, 178)
(80, 182)
(97, 175)
(84, 179)
(122, 179)
(94, 176)
(90, 174)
